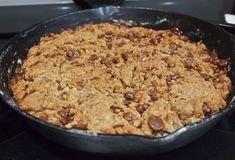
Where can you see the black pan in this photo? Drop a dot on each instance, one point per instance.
(212, 36)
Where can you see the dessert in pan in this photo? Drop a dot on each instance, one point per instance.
(111, 78)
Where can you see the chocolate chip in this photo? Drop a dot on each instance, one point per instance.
(115, 60)
(152, 41)
(206, 109)
(129, 96)
(60, 88)
(124, 56)
(72, 55)
(64, 113)
(223, 63)
(106, 62)
(113, 76)
(155, 123)
(205, 76)
(109, 43)
(153, 95)
(128, 116)
(142, 107)
(173, 47)
(116, 109)
(66, 116)
(93, 57)
(189, 63)
(80, 125)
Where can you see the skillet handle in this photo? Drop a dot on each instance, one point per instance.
(97, 3)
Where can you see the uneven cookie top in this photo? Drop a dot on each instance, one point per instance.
(111, 78)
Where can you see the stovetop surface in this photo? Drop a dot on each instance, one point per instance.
(19, 142)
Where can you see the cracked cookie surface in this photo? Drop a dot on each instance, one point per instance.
(110, 78)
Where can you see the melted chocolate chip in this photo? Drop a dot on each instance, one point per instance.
(109, 43)
(116, 109)
(72, 55)
(142, 107)
(128, 116)
(124, 56)
(173, 47)
(115, 60)
(189, 63)
(153, 95)
(93, 57)
(155, 123)
(206, 109)
(64, 113)
(106, 62)
(129, 96)
(152, 41)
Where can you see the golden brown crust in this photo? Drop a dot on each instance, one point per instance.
(113, 79)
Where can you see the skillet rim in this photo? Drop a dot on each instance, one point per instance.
(77, 132)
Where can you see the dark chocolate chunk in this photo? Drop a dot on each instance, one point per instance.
(115, 60)
(93, 57)
(72, 55)
(206, 109)
(106, 62)
(156, 123)
(124, 56)
(129, 96)
(153, 95)
(128, 116)
(142, 107)
(109, 43)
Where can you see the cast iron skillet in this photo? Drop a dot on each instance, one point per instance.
(16, 50)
